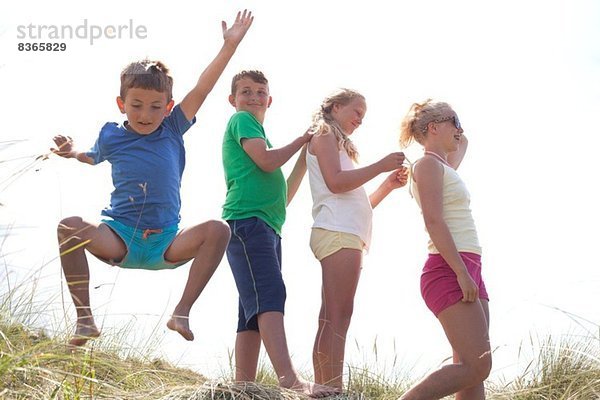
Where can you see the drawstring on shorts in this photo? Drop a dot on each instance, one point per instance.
(148, 232)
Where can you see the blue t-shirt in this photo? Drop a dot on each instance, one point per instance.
(146, 171)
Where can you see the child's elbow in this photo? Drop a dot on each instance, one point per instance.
(334, 187)
(266, 166)
(432, 222)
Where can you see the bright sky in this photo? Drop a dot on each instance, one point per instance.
(523, 76)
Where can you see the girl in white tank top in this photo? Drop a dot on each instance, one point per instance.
(342, 214)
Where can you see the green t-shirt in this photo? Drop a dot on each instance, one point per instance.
(251, 192)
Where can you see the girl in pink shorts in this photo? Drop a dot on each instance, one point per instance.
(451, 282)
(439, 286)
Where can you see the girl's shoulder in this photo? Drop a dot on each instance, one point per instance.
(427, 166)
(323, 142)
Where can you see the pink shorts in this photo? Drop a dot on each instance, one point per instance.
(439, 286)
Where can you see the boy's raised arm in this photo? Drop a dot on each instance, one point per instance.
(232, 37)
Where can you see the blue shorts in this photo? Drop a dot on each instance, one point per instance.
(254, 254)
(145, 249)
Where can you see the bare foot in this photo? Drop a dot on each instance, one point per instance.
(314, 389)
(83, 333)
(180, 323)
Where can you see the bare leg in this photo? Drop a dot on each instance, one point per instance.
(477, 391)
(247, 349)
(74, 236)
(341, 272)
(466, 327)
(273, 335)
(206, 244)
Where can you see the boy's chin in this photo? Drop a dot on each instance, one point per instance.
(254, 112)
(142, 130)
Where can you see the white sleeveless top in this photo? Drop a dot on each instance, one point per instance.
(456, 212)
(348, 212)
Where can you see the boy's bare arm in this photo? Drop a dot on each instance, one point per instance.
(270, 159)
(232, 37)
(64, 148)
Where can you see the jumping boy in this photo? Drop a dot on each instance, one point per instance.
(147, 157)
(255, 209)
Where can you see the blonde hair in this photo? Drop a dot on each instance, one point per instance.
(323, 122)
(416, 121)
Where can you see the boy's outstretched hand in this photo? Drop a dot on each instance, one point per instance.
(64, 146)
(235, 34)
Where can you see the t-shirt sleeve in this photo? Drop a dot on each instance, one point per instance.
(98, 151)
(177, 122)
(245, 126)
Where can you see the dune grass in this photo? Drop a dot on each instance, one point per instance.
(34, 365)
(563, 370)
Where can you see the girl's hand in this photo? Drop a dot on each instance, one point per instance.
(469, 289)
(397, 178)
(391, 161)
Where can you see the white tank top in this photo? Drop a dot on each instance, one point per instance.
(348, 212)
(456, 212)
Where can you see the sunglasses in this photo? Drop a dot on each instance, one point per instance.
(454, 119)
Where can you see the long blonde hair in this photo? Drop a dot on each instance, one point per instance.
(415, 123)
(323, 122)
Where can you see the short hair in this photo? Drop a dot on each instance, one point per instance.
(255, 75)
(147, 74)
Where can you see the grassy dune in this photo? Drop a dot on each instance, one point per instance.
(36, 366)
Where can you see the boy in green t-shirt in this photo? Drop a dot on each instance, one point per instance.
(257, 195)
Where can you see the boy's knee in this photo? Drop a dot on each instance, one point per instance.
(219, 230)
(67, 226)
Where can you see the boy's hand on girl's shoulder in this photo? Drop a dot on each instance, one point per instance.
(238, 30)
(308, 135)
(64, 146)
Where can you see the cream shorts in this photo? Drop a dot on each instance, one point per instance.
(324, 243)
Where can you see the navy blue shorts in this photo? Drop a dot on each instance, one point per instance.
(254, 254)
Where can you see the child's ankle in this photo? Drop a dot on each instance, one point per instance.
(290, 380)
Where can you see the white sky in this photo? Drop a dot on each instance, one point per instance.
(523, 76)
